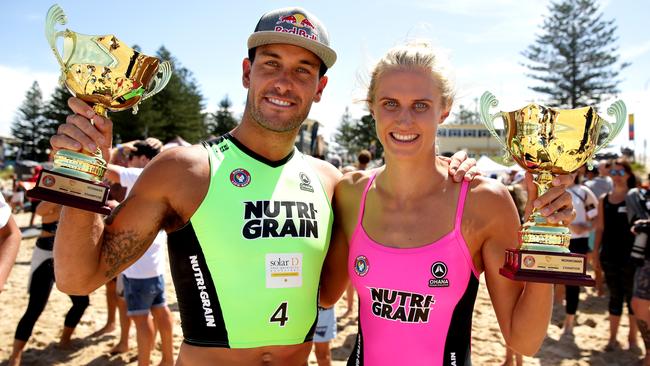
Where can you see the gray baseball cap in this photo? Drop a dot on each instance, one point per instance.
(297, 27)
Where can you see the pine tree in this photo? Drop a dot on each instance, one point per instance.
(28, 126)
(465, 116)
(575, 57)
(356, 135)
(344, 135)
(222, 121)
(56, 111)
(175, 111)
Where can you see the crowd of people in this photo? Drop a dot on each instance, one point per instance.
(612, 214)
(264, 240)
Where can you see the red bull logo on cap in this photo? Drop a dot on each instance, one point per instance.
(297, 21)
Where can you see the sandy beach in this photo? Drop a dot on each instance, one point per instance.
(585, 348)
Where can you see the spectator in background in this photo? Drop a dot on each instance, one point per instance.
(114, 300)
(144, 284)
(614, 243)
(9, 241)
(323, 334)
(585, 205)
(363, 158)
(602, 183)
(591, 172)
(33, 203)
(336, 161)
(17, 200)
(40, 286)
(638, 212)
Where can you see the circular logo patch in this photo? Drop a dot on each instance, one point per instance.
(304, 178)
(529, 261)
(361, 265)
(48, 181)
(240, 177)
(439, 270)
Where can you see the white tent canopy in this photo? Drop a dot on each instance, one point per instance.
(488, 166)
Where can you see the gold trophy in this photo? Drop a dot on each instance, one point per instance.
(547, 142)
(104, 72)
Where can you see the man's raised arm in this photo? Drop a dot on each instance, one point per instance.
(88, 250)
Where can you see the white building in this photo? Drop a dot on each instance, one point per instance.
(474, 138)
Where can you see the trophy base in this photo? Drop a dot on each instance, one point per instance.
(71, 191)
(538, 266)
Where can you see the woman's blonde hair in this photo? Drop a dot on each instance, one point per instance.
(415, 54)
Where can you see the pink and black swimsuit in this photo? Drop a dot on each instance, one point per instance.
(415, 304)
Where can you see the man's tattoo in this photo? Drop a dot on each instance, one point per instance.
(121, 247)
(645, 332)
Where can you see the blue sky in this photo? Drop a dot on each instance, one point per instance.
(483, 38)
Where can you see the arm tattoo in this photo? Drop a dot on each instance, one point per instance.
(120, 248)
(123, 246)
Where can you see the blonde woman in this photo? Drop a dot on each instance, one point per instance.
(415, 241)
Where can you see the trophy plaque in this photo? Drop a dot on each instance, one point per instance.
(109, 75)
(548, 142)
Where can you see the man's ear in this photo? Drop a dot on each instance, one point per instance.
(246, 66)
(322, 83)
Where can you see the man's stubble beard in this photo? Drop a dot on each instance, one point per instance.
(259, 118)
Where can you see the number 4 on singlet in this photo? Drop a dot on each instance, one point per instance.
(280, 315)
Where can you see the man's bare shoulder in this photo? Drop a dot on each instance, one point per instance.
(327, 173)
(184, 155)
(180, 176)
(180, 162)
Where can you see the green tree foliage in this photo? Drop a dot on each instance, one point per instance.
(465, 116)
(175, 111)
(29, 126)
(56, 110)
(354, 135)
(222, 121)
(575, 58)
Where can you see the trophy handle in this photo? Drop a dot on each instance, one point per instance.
(618, 110)
(488, 100)
(159, 81)
(55, 15)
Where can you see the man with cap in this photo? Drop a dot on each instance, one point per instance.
(248, 217)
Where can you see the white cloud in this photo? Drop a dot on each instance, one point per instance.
(487, 9)
(16, 82)
(632, 52)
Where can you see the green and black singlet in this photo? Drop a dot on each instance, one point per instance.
(247, 265)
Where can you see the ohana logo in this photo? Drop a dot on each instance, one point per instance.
(439, 271)
(305, 183)
(240, 177)
(361, 265)
(48, 181)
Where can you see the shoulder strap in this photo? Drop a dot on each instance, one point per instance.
(460, 207)
(362, 204)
